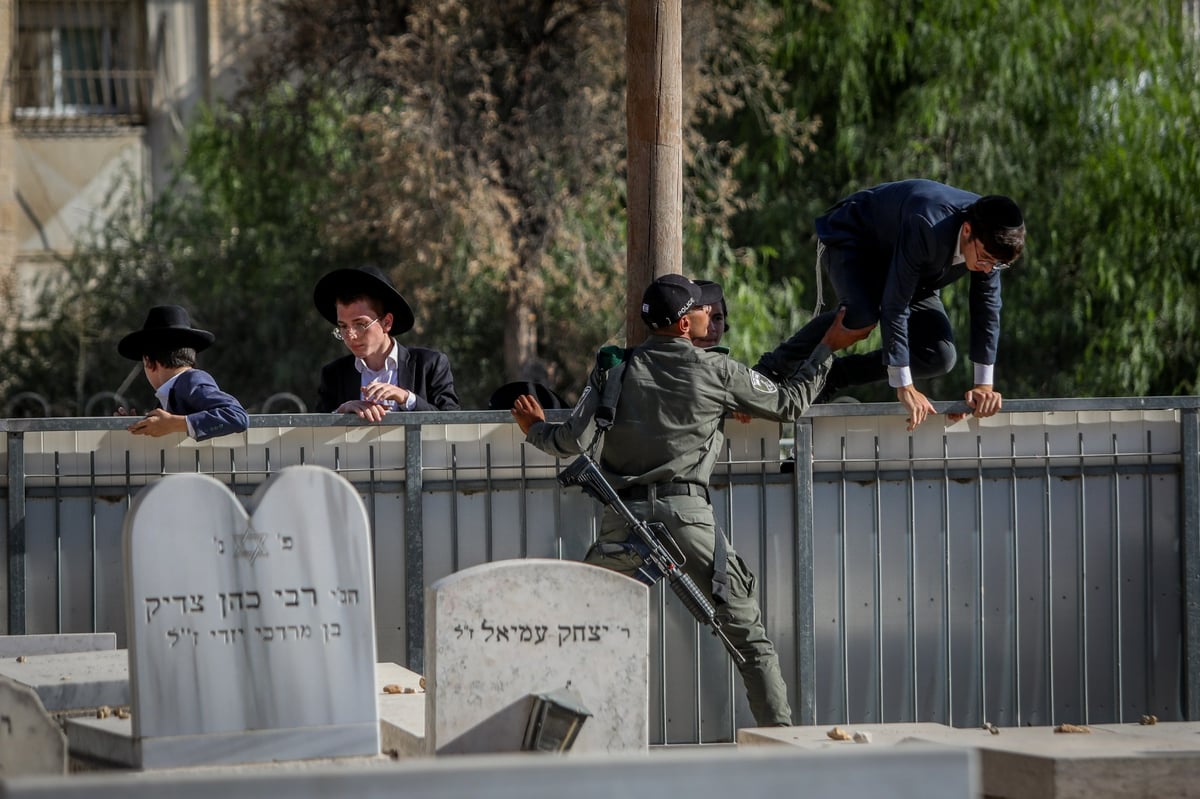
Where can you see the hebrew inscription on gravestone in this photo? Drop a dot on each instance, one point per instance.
(256, 626)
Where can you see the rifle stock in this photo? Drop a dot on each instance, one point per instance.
(584, 473)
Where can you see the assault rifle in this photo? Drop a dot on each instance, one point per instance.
(653, 538)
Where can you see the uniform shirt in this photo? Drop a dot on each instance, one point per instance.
(674, 396)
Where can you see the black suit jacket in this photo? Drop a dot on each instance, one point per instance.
(424, 372)
(907, 233)
(211, 411)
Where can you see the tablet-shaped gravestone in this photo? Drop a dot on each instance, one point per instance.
(250, 638)
(500, 633)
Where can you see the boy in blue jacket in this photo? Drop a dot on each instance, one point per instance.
(189, 400)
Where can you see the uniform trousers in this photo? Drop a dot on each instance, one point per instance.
(690, 520)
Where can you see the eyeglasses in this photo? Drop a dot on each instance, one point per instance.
(989, 263)
(353, 330)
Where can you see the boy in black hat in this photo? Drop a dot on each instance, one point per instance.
(189, 399)
(379, 375)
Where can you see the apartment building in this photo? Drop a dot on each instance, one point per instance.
(93, 91)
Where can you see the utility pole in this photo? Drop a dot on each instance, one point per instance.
(654, 135)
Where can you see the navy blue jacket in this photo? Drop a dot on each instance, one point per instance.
(210, 410)
(910, 230)
(424, 372)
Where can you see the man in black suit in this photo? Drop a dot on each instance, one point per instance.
(379, 374)
(889, 250)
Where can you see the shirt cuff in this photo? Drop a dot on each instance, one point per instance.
(191, 430)
(899, 376)
(984, 374)
(410, 402)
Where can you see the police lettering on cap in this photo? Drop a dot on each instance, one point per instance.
(667, 299)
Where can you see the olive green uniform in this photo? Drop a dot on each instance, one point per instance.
(659, 454)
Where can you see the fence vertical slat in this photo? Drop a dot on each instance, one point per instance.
(1190, 433)
(414, 551)
(806, 647)
(16, 533)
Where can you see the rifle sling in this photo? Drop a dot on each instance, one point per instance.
(605, 414)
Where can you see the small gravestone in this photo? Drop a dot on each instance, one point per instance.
(250, 639)
(500, 633)
(30, 741)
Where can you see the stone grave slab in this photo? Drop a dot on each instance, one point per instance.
(12, 646)
(250, 638)
(401, 715)
(30, 741)
(73, 682)
(1113, 761)
(910, 772)
(498, 633)
(816, 737)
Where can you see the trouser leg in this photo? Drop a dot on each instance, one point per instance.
(741, 620)
(781, 362)
(691, 522)
(850, 272)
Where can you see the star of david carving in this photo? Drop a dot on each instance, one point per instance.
(250, 543)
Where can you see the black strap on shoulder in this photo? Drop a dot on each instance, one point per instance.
(610, 393)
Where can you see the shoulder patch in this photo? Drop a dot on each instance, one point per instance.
(762, 383)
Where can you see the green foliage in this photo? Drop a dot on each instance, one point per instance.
(236, 239)
(480, 156)
(1084, 112)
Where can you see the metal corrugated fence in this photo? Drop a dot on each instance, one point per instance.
(1037, 567)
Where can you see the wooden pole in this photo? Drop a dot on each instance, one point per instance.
(653, 111)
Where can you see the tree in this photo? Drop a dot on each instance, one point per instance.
(234, 238)
(497, 141)
(1079, 110)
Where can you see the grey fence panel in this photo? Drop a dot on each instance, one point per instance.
(1037, 568)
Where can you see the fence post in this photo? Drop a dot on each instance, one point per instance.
(806, 650)
(414, 551)
(1190, 447)
(15, 545)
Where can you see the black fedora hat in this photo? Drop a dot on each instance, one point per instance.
(167, 327)
(505, 397)
(368, 281)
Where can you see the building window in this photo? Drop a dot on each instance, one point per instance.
(81, 60)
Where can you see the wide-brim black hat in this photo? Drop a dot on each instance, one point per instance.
(505, 397)
(368, 281)
(167, 327)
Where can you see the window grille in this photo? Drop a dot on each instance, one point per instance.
(81, 62)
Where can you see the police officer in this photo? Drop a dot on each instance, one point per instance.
(663, 444)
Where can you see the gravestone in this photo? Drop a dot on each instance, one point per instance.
(30, 741)
(499, 633)
(250, 639)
